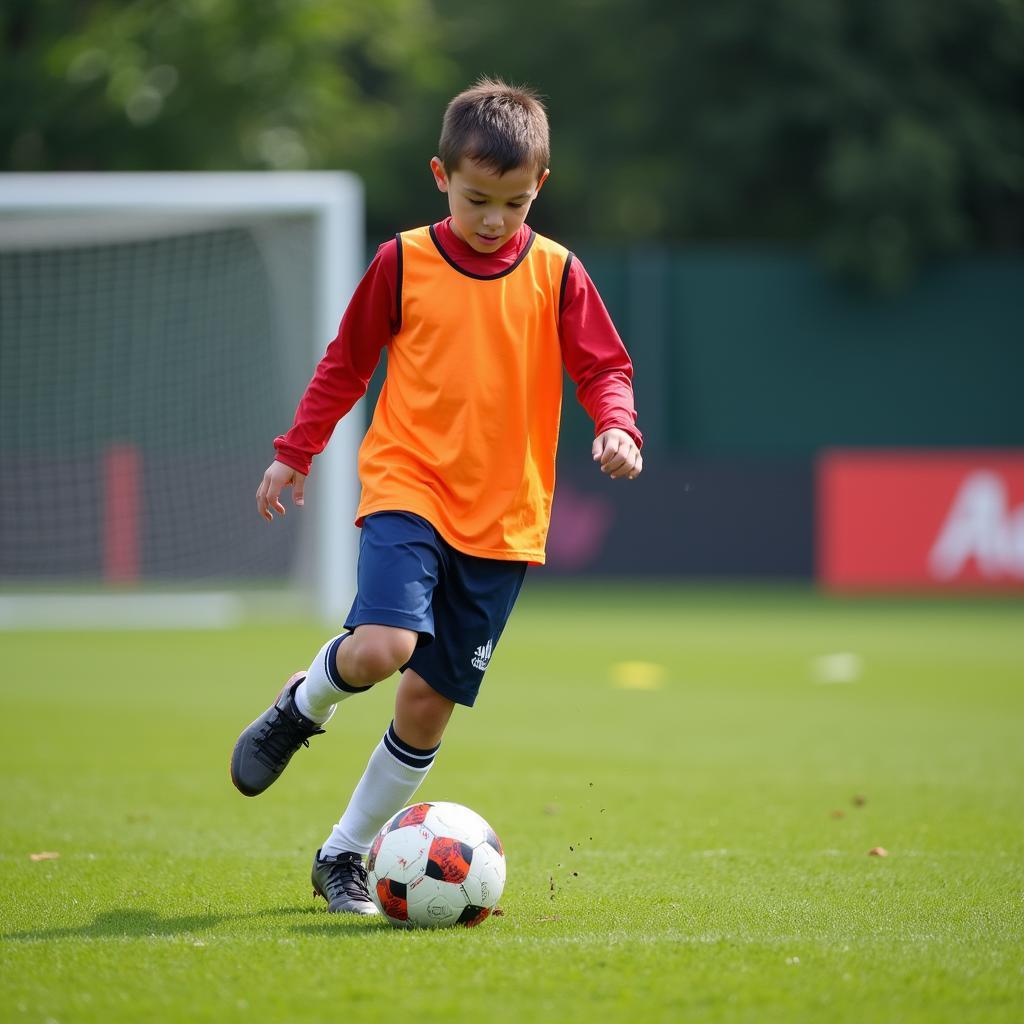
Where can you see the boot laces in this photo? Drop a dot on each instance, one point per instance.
(346, 877)
(280, 737)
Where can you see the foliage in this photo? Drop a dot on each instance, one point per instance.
(884, 133)
(211, 84)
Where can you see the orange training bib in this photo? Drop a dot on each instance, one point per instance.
(466, 427)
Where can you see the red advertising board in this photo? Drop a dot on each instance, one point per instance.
(890, 520)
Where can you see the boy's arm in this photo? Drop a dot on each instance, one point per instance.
(339, 382)
(600, 367)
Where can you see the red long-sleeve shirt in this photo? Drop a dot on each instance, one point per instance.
(592, 350)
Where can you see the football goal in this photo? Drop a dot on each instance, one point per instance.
(156, 332)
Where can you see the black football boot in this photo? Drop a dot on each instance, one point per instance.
(341, 880)
(265, 747)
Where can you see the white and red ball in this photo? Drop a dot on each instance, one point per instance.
(436, 864)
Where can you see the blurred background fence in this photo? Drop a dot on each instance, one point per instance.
(750, 361)
(806, 216)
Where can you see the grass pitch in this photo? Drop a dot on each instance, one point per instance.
(686, 791)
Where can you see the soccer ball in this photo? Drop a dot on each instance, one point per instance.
(434, 865)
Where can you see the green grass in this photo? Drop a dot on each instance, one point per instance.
(674, 853)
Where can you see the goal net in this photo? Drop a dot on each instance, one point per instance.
(156, 331)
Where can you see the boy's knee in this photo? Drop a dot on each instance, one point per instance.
(374, 653)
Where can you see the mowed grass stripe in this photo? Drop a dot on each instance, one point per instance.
(718, 867)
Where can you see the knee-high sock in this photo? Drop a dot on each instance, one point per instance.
(323, 686)
(394, 772)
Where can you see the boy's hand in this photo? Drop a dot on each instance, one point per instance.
(277, 477)
(618, 454)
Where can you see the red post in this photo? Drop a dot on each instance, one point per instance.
(122, 506)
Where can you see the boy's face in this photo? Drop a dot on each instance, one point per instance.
(487, 208)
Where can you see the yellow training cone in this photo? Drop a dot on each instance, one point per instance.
(637, 675)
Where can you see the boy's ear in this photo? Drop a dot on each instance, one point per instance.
(440, 175)
(543, 178)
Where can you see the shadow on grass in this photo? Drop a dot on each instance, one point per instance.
(131, 922)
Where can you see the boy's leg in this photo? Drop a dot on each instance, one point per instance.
(265, 747)
(351, 663)
(396, 769)
(421, 713)
(471, 604)
(397, 572)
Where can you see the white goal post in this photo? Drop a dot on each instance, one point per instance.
(156, 330)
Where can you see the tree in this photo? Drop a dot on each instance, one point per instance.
(211, 84)
(884, 134)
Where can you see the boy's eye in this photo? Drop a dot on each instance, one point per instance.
(476, 202)
(517, 206)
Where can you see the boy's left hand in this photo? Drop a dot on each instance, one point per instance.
(618, 454)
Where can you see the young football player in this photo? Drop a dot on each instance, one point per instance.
(478, 314)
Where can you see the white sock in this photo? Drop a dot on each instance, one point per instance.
(323, 687)
(394, 772)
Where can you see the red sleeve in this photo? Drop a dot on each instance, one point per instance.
(344, 372)
(594, 355)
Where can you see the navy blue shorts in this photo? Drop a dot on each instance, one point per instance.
(409, 576)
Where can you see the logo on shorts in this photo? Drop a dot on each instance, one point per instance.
(482, 655)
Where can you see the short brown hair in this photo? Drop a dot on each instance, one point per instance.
(498, 125)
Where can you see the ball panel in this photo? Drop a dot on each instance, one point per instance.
(448, 819)
(494, 842)
(402, 854)
(434, 903)
(412, 815)
(392, 899)
(472, 915)
(449, 859)
(371, 859)
(486, 880)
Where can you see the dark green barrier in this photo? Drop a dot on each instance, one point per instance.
(748, 351)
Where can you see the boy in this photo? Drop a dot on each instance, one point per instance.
(478, 314)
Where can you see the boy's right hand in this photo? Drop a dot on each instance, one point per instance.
(277, 477)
